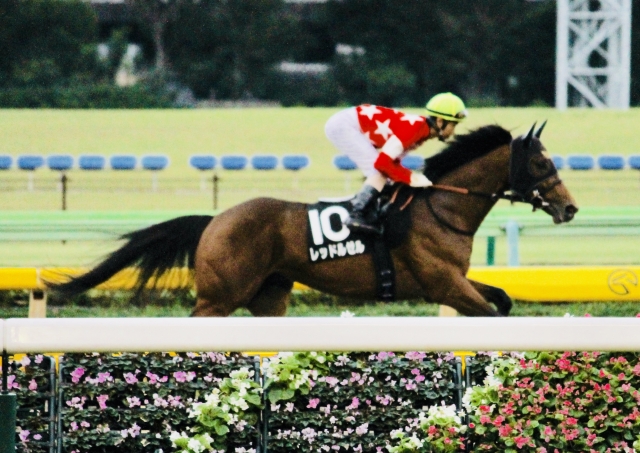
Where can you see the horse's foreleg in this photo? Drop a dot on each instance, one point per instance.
(460, 294)
(495, 295)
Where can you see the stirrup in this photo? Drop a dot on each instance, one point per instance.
(362, 227)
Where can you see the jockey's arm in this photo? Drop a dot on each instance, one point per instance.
(388, 163)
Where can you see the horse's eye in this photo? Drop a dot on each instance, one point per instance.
(539, 165)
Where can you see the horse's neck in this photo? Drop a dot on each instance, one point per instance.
(488, 174)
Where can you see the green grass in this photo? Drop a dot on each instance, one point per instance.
(181, 133)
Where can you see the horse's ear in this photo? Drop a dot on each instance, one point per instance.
(527, 139)
(539, 131)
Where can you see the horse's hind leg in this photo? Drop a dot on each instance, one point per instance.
(272, 298)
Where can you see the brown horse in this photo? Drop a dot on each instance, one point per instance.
(250, 255)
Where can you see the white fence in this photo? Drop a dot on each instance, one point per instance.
(319, 334)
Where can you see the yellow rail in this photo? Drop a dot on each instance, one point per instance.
(535, 284)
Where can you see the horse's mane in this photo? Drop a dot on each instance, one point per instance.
(465, 148)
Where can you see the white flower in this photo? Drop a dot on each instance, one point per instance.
(195, 445)
(346, 314)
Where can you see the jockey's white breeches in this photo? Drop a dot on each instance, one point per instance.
(343, 130)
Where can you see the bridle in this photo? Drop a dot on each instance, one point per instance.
(534, 197)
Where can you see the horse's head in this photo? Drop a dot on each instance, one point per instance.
(534, 177)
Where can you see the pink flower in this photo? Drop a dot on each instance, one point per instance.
(415, 371)
(520, 441)
(102, 401)
(571, 421)
(26, 361)
(432, 430)
(24, 435)
(130, 378)
(355, 402)
(414, 355)
(313, 403)
(77, 374)
(362, 429)
(33, 385)
(505, 430)
(133, 401)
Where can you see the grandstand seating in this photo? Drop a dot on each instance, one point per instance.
(295, 162)
(154, 162)
(91, 162)
(634, 161)
(264, 162)
(558, 161)
(611, 162)
(203, 162)
(344, 163)
(6, 162)
(30, 162)
(413, 162)
(233, 162)
(581, 162)
(123, 162)
(60, 162)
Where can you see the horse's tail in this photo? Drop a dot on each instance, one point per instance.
(153, 251)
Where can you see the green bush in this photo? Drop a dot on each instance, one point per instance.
(32, 380)
(133, 402)
(557, 401)
(352, 401)
(86, 96)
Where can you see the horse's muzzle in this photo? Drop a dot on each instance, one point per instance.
(561, 214)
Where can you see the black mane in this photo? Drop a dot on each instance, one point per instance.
(465, 148)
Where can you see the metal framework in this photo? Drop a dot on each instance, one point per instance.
(593, 54)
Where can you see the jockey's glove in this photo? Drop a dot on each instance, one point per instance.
(419, 180)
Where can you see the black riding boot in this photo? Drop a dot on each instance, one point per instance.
(362, 217)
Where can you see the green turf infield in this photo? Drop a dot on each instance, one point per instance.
(181, 133)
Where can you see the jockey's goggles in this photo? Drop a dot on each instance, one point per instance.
(457, 117)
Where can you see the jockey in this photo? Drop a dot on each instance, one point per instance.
(377, 138)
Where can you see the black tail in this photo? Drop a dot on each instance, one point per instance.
(153, 250)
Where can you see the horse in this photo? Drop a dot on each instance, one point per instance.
(251, 254)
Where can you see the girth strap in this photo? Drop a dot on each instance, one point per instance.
(385, 272)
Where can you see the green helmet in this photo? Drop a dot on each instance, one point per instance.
(447, 106)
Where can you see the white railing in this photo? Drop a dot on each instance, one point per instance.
(319, 334)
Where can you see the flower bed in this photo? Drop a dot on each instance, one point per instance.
(133, 402)
(352, 401)
(557, 401)
(32, 379)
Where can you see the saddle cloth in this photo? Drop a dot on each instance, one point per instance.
(329, 239)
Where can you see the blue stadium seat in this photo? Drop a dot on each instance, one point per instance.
(154, 162)
(295, 162)
(6, 162)
(611, 162)
(203, 162)
(581, 162)
(634, 161)
(233, 162)
(123, 162)
(413, 162)
(344, 163)
(30, 162)
(264, 162)
(91, 162)
(60, 162)
(558, 161)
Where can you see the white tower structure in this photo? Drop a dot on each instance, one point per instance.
(593, 62)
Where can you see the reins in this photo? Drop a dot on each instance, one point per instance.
(536, 201)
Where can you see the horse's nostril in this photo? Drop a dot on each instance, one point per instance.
(571, 209)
